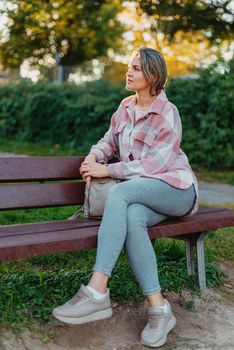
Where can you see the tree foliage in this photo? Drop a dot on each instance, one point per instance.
(214, 18)
(183, 54)
(149, 23)
(76, 31)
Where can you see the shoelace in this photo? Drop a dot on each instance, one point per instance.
(155, 321)
(79, 296)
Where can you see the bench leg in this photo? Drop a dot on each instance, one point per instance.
(195, 242)
(190, 244)
(201, 261)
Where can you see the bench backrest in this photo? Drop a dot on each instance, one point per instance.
(33, 182)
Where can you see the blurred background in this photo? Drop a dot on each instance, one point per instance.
(62, 75)
(63, 64)
(63, 40)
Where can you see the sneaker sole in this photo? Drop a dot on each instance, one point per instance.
(171, 324)
(100, 315)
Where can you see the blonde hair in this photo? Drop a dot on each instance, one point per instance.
(154, 68)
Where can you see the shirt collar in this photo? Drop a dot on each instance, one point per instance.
(156, 106)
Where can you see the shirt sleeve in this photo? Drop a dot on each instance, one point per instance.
(107, 145)
(159, 157)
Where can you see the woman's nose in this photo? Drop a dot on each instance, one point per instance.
(129, 72)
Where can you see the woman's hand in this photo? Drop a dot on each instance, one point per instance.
(91, 158)
(94, 169)
(90, 168)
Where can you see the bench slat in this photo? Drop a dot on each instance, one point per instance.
(23, 196)
(36, 168)
(66, 241)
(47, 226)
(193, 224)
(75, 235)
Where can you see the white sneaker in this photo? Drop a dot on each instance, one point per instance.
(160, 323)
(83, 307)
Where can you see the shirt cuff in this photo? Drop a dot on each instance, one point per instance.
(99, 154)
(116, 170)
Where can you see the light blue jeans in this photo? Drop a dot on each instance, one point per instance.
(131, 207)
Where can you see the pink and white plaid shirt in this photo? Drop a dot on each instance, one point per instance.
(148, 146)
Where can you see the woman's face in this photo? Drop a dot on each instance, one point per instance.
(135, 79)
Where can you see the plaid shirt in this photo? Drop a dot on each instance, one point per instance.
(148, 146)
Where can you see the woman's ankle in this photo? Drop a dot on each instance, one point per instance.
(156, 299)
(99, 282)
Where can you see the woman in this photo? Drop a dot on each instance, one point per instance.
(146, 133)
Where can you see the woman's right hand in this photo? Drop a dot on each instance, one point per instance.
(88, 159)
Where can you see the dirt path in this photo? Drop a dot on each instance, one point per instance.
(209, 325)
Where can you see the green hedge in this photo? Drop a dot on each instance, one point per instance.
(206, 107)
(76, 117)
(67, 115)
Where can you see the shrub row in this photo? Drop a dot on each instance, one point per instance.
(75, 117)
(67, 115)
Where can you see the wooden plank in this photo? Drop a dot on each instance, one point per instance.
(23, 196)
(47, 226)
(77, 235)
(58, 225)
(193, 224)
(39, 168)
(46, 237)
(63, 241)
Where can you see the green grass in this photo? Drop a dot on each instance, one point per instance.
(215, 176)
(32, 149)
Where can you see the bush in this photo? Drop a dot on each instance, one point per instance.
(206, 107)
(68, 115)
(76, 117)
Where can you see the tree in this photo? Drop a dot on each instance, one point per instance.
(185, 52)
(71, 31)
(214, 17)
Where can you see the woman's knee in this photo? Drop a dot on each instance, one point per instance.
(136, 218)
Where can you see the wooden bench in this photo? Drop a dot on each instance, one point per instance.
(40, 182)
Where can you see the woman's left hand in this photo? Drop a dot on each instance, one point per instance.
(94, 170)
